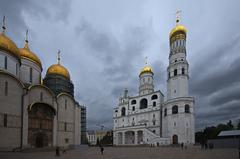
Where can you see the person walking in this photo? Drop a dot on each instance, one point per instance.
(57, 151)
(102, 149)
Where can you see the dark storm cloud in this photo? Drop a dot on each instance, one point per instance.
(104, 45)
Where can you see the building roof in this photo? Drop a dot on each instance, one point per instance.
(230, 133)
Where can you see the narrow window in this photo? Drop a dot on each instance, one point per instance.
(65, 104)
(6, 88)
(165, 112)
(175, 72)
(168, 74)
(31, 71)
(5, 120)
(183, 71)
(5, 62)
(65, 126)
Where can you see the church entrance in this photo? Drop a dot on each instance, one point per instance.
(175, 139)
(40, 125)
(41, 140)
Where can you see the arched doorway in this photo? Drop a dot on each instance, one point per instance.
(175, 139)
(129, 137)
(40, 125)
(140, 137)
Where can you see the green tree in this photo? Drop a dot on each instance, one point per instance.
(238, 126)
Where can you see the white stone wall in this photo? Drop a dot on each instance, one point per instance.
(77, 122)
(133, 119)
(25, 72)
(12, 63)
(66, 114)
(10, 136)
(182, 124)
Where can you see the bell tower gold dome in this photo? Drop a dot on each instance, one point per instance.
(58, 69)
(178, 29)
(146, 69)
(26, 53)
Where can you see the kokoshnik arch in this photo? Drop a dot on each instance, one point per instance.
(35, 112)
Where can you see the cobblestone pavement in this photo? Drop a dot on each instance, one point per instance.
(129, 153)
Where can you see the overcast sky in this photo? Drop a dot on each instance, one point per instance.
(104, 42)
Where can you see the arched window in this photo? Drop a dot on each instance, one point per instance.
(123, 111)
(133, 101)
(175, 72)
(187, 108)
(175, 109)
(165, 112)
(154, 97)
(154, 104)
(183, 71)
(143, 103)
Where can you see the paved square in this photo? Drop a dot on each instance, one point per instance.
(130, 153)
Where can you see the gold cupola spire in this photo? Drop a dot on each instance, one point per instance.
(27, 54)
(146, 68)
(58, 68)
(6, 44)
(178, 28)
(3, 25)
(58, 58)
(26, 40)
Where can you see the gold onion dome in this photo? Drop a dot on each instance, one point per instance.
(28, 54)
(178, 29)
(58, 69)
(146, 69)
(6, 44)
(9, 46)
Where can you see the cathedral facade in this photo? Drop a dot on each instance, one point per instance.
(150, 117)
(35, 112)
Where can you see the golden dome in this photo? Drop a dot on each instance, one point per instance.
(146, 69)
(9, 46)
(28, 54)
(59, 70)
(178, 28)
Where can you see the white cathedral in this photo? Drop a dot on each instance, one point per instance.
(150, 117)
(35, 112)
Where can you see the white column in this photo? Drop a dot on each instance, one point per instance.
(123, 138)
(136, 138)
